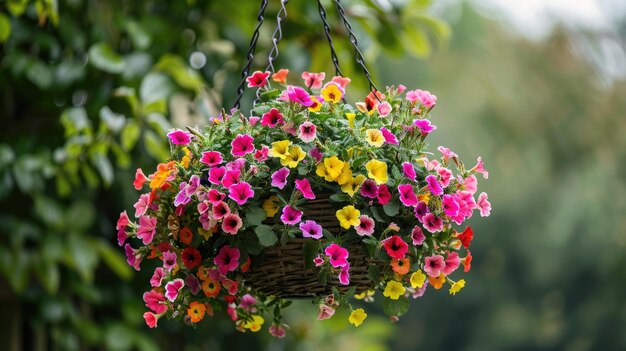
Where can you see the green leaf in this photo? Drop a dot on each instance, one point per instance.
(416, 41)
(114, 260)
(80, 215)
(139, 36)
(391, 209)
(112, 120)
(183, 75)
(396, 307)
(154, 87)
(255, 216)
(49, 211)
(155, 146)
(310, 250)
(266, 235)
(103, 164)
(48, 275)
(81, 256)
(75, 120)
(130, 135)
(373, 272)
(5, 28)
(102, 56)
(339, 198)
(17, 7)
(40, 74)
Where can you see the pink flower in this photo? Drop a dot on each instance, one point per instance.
(401, 88)
(484, 205)
(383, 194)
(169, 260)
(366, 226)
(147, 229)
(450, 205)
(299, 95)
(427, 99)
(470, 184)
(262, 154)
(305, 188)
(384, 109)
(407, 195)
(369, 188)
(230, 285)
(420, 210)
(390, 138)
(325, 312)
(242, 145)
(432, 223)
(240, 193)
(343, 81)
(279, 178)
(307, 132)
(409, 170)
(316, 154)
(417, 235)
(272, 118)
(151, 319)
(236, 165)
(216, 174)
(227, 259)
(318, 261)
(310, 229)
(247, 302)
(142, 205)
(155, 301)
(140, 179)
(230, 177)
(221, 210)
(179, 137)
(277, 331)
(344, 275)
(123, 221)
(452, 262)
(133, 257)
(257, 79)
(253, 120)
(121, 237)
(424, 126)
(313, 80)
(395, 247)
(231, 224)
(447, 153)
(338, 255)
(433, 265)
(157, 278)
(290, 215)
(480, 168)
(215, 197)
(445, 175)
(173, 288)
(211, 158)
(419, 292)
(433, 185)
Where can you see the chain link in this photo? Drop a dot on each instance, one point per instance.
(333, 54)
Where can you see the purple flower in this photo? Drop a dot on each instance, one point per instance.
(179, 137)
(421, 209)
(310, 229)
(192, 283)
(279, 178)
(211, 158)
(407, 195)
(316, 154)
(390, 138)
(369, 188)
(433, 185)
(169, 260)
(299, 95)
(291, 215)
(133, 257)
(425, 126)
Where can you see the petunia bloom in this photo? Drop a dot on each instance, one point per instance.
(290, 215)
(409, 170)
(377, 170)
(434, 265)
(304, 187)
(390, 138)
(395, 247)
(366, 226)
(369, 189)
(227, 259)
(272, 118)
(424, 126)
(466, 236)
(280, 76)
(179, 137)
(325, 312)
(299, 95)
(384, 196)
(240, 193)
(348, 216)
(142, 205)
(332, 92)
(191, 257)
(432, 223)
(211, 158)
(257, 79)
(452, 262)
(279, 178)
(310, 229)
(313, 80)
(357, 317)
(394, 290)
(147, 229)
(417, 234)
(140, 179)
(374, 137)
(407, 195)
(169, 260)
(447, 153)
(242, 145)
(337, 254)
(484, 205)
(231, 223)
(480, 168)
(307, 132)
(450, 205)
(433, 185)
(344, 275)
(155, 301)
(173, 288)
(384, 109)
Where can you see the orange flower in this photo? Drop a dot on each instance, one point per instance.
(164, 170)
(402, 266)
(211, 288)
(280, 76)
(437, 283)
(246, 265)
(185, 235)
(203, 273)
(196, 311)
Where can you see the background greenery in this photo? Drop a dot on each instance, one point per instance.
(88, 89)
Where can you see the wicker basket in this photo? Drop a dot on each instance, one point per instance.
(281, 270)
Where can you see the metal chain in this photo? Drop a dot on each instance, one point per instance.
(250, 54)
(357, 52)
(333, 54)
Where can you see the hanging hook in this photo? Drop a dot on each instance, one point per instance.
(333, 54)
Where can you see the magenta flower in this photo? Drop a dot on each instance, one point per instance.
(417, 234)
(369, 188)
(447, 153)
(316, 154)
(310, 229)
(401, 88)
(433, 185)
(133, 257)
(424, 126)
(230, 177)
(366, 226)
(433, 265)
(432, 223)
(307, 132)
(299, 95)
(227, 260)
(420, 210)
(272, 118)
(390, 138)
(157, 277)
(231, 223)
(147, 229)
(395, 247)
(242, 145)
(484, 205)
(221, 210)
(122, 221)
(452, 263)
(279, 178)
(151, 319)
(257, 79)
(240, 193)
(384, 196)
(450, 205)
(262, 154)
(445, 176)
(313, 80)
(216, 174)
(384, 109)
(214, 197)
(121, 237)
(169, 260)
(407, 195)
(318, 260)
(253, 120)
(409, 170)
(290, 215)
(344, 275)
(480, 168)
(155, 301)
(173, 288)
(305, 188)
(247, 302)
(179, 137)
(236, 165)
(211, 158)
(338, 255)
(142, 205)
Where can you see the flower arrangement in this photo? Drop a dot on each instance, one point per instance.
(241, 186)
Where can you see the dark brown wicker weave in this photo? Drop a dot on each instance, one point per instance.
(281, 269)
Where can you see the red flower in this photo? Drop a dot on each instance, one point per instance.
(383, 194)
(191, 257)
(466, 237)
(257, 79)
(467, 262)
(396, 247)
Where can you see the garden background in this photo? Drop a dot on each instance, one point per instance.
(89, 88)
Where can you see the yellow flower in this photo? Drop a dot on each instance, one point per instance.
(346, 174)
(417, 279)
(280, 149)
(377, 170)
(456, 287)
(348, 216)
(331, 93)
(317, 106)
(186, 158)
(364, 294)
(352, 185)
(294, 156)
(270, 207)
(255, 323)
(321, 171)
(394, 290)
(425, 198)
(374, 137)
(350, 116)
(334, 166)
(357, 317)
